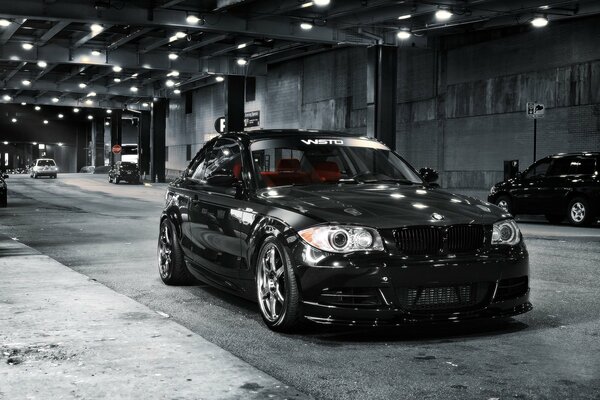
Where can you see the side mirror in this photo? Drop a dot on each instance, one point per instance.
(429, 175)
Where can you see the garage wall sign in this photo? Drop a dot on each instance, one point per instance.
(251, 119)
(220, 125)
(116, 149)
(535, 110)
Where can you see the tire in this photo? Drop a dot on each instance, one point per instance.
(280, 308)
(117, 180)
(579, 212)
(53, 176)
(35, 176)
(555, 218)
(171, 266)
(109, 179)
(504, 202)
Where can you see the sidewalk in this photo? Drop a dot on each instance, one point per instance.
(65, 336)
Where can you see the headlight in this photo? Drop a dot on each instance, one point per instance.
(506, 232)
(493, 190)
(342, 238)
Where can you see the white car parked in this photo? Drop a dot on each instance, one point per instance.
(44, 167)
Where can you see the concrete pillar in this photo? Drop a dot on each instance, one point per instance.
(157, 139)
(234, 103)
(97, 147)
(116, 132)
(144, 142)
(381, 93)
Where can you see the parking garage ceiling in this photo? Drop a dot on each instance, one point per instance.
(116, 53)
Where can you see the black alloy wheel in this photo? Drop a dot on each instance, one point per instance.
(277, 290)
(171, 266)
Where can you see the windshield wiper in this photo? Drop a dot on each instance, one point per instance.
(395, 180)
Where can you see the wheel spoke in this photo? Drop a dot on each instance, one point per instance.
(272, 262)
(272, 304)
(264, 293)
(278, 296)
(278, 273)
(167, 236)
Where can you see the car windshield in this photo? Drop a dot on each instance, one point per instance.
(305, 161)
(46, 163)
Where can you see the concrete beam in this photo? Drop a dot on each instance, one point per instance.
(43, 85)
(127, 59)
(50, 33)
(71, 102)
(130, 14)
(10, 30)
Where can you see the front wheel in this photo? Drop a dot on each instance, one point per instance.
(579, 212)
(171, 266)
(505, 203)
(277, 290)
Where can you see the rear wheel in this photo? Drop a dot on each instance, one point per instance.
(505, 203)
(277, 289)
(171, 266)
(579, 212)
(555, 218)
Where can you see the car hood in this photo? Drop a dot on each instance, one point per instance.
(382, 206)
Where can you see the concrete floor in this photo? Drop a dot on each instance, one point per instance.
(109, 233)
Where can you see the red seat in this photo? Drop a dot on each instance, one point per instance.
(237, 170)
(327, 171)
(288, 165)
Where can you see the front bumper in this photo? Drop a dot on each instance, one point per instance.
(384, 289)
(45, 173)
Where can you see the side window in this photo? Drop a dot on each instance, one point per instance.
(538, 169)
(196, 168)
(583, 166)
(561, 166)
(224, 159)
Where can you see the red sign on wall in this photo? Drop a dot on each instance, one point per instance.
(116, 149)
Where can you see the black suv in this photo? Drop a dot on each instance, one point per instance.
(559, 186)
(124, 171)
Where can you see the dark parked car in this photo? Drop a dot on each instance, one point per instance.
(559, 186)
(124, 171)
(3, 190)
(337, 229)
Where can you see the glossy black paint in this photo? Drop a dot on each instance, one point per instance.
(127, 172)
(221, 230)
(550, 193)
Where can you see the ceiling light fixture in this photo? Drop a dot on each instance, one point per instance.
(23, 104)
(144, 104)
(170, 83)
(60, 116)
(405, 16)
(242, 61)
(117, 68)
(82, 85)
(117, 80)
(37, 108)
(404, 34)
(26, 82)
(75, 110)
(91, 94)
(306, 26)
(27, 46)
(443, 15)
(192, 19)
(4, 22)
(321, 3)
(55, 99)
(96, 28)
(107, 123)
(89, 102)
(177, 91)
(180, 35)
(173, 56)
(539, 22)
(34, 143)
(90, 117)
(219, 78)
(133, 89)
(96, 53)
(42, 64)
(45, 122)
(6, 97)
(109, 111)
(13, 121)
(60, 144)
(242, 45)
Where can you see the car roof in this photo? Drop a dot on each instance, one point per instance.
(286, 133)
(44, 159)
(580, 153)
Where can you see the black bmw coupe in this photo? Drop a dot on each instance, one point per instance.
(337, 229)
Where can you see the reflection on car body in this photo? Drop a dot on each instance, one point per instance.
(337, 229)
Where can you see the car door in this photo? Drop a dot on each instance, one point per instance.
(557, 184)
(525, 190)
(214, 215)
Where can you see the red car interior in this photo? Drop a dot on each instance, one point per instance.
(289, 172)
